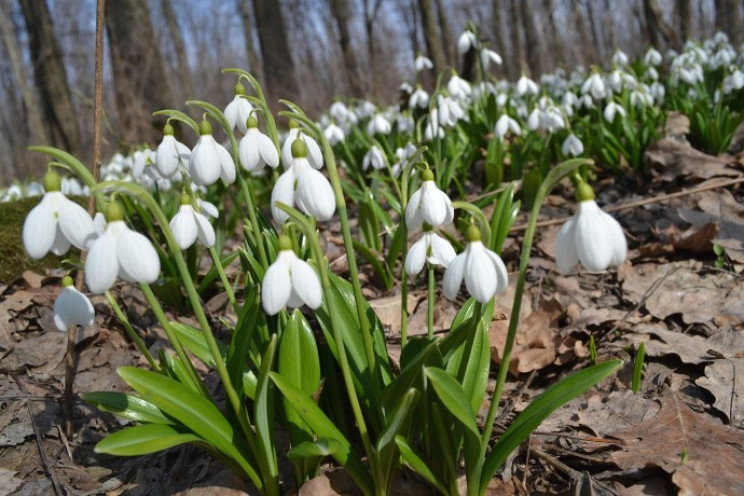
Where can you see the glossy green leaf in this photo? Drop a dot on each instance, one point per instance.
(417, 463)
(250, 319)
(144, 439)
(317, 449)
(453, 397)
(369, 225)
(264, 415)
(397, 422)
(539, 409)
(127, 406)
(471, 363)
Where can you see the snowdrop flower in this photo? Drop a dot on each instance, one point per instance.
(303, 186)
(72, 187)
(378, 125)
(433, 129)
(641, 98)
(72, 308)
(591, 237)
(339, 111)
(449, 111)
(620, 58)
(119, 251)
(429, 204)
(489, 57)
(733, 81)
(419, 98)
(615, 81)
(466, 41)
(431, 248)
(188, 225)
(170, 153)
(210, 160)
(238, 110)
(404, 123)
(315, 156)
(256, 149)
(572, 146)
(56, 222)
(652, 57)
(458, 87)
(422, 63)
(595, 86)
(505, 124)
(334, 134)
(375, 158)
(658, 91)
(482, 269)
(611, 110)
(289, 282)
(141, 159)
(526, 86)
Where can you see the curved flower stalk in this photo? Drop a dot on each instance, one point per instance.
(210, 160)
(289, 282)
(170, 153)
(56, 223)
(72, 307)
(591, 237)
(429, 204)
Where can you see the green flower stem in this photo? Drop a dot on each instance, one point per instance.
(165, 323)
(246, 186)
(130, 331)
(403, 291)
(553, 177)
(223, 278)
(75, 166)
(432, 296)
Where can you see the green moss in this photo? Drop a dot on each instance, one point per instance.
(13, 258)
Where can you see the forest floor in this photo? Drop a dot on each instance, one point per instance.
(683, 433)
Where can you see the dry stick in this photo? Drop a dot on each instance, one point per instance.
(97, 115)
(640, 203)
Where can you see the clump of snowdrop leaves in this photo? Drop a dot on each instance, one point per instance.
(238, 110)
(170, 153)
(591, 237)
(429, 204)
(56, 223)
(482, 269)
(119, 251)
(72, 307)
(302, 186)
(289, 282)
(188, 225)
(210, 160)
(431, 248)
(256, 149)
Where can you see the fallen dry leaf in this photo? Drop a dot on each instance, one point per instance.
(671, 159)
(725, 380)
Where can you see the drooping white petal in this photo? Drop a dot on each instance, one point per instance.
(441, 251)
(593, 242)
(277, 285)
(267, 150)
(314, 193)
(416, 257)
(305, 283)
(204, 165)
(616, 237)
(501, 272)
(248, 151)
(39, 230)
(227, 165)
(183, 225)
(167, 156)
(283, 192)
(414, 215)
(205, 230)
(101, 264)
(566, 256)
(76, 224)
(453, 276)
(481, 278)
(137, 257)
(72, 308)
(61, 244)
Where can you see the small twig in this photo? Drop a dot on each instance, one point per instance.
(640, 203)
(557, 464)
(64, 441)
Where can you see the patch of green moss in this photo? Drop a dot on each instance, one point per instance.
(13, 258)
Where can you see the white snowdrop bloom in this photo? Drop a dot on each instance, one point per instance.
(612, 110)
(379, 125)
(533, 121)
(56, 222)
(570, 100)
(239, 109)
(208, 208)
(210, 160)
(641, 98)
(14, 192)
(652, 57)
(99, 223)
(339, 111)
(404, 123)
(526, 86)
(615, 81)
(256, 149)
(72, 187)
(429, 204)
(72, 308)
(449, 111)
(141, 159)
(572, 146)
(594, 86)
(482, 269)
(431, 248)
(170, 153)
(188, 225)
(334, 134)
(652, 73)
(733, 81)
(289, 282)
(591, 237)
(422, 63)
(119, 251)
(419, 98)
(552, 120)
(366, 109)
(620, 58)
(375, 158)
(303, 186)
(405, 87)
(433, 129)
(506, 124)
(458, 87)
(466, 41)
(586, 102)
(489, 57)
(314, 155)
(658, 91)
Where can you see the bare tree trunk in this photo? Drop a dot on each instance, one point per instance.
(50, 76)
(340, 12)
(728, 19)
(140, 82)
(684, 10)
(587, 51)
(448, 44)
(659, 31)
(245, 14)
(594, 28)
(609, 26)
(554, 37)
(499, 36)
(516, 39)
(531, 38)
(278, 65)
(184, 72)
(433, 42)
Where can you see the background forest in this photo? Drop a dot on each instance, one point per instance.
(162, 52)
